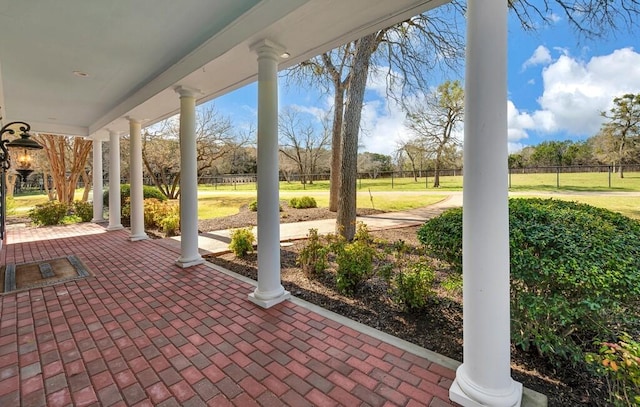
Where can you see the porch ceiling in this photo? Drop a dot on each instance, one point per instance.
(134, 53)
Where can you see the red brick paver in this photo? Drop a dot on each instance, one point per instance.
(143, 331)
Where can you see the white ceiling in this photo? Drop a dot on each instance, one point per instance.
(136, 52)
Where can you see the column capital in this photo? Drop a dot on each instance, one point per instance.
(132, 119)
(268, 48)
(114, 132)
(185, 91)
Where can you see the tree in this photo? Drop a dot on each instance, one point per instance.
(302, 142)
(623, 127)
(374, 163)
(551, 153)
(161, 149)
(412, 46)
(435, 119)
(67, 158)
(415, 152)
(402, 54)
(591, 18)
(345, 220)
(161, 158)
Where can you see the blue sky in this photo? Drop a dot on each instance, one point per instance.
(558, 84)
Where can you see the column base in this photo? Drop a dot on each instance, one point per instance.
(98, 220)
(185, 263)
(114, 227)
(481, 398)
(270, 302)
(135, 238)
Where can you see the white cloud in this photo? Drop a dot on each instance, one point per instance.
(382, 126)
(554, 18)
(576, 91)
(541, 56)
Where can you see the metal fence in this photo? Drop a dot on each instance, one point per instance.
(549, 177)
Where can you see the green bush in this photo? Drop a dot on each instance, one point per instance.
(83, 210)
(619, 364)
(575, 272)
(452, 283)
(442, 237)
(242, 241)
(313, 256)
(49, 213)
(125, 192)
(125, 212)
(70, 219)
(413, 287)
(170, 224)
(253, 206)
(303, 202)
(157, 211)
(355, 260)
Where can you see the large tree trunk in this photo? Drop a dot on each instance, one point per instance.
(11, 183)
(336, 146)
(56, 148)
(346, 217)
(88, 182)
(436, 171)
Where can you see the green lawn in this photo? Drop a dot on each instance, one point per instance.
(406, 193)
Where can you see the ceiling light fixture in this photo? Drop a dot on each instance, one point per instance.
(80, 74)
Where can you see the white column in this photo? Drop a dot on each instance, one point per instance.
(98, 209)
(269, 291)
(135, 176)
(189, 255)
(484, 378)
(115, 220)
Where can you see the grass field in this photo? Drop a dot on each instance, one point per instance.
(406, 193)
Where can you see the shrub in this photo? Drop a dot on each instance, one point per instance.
(170, 224)
(575, 272)
(354, 260)
(49, 213)
(303, 202)
(413, 287)
(84, 210)
(242, 241)
(442, 237)
(125, 212)
(70, 219)
(453, 283)
(253, 206)
(157, 211)
(125, 192)
(313, 256)
(619, 363)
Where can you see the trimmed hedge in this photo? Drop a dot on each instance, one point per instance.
(575, 272)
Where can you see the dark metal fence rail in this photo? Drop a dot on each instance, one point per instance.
(424, 176)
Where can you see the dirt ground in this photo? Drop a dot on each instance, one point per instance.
(437, 327)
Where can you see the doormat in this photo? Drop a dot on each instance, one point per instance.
(43, 273)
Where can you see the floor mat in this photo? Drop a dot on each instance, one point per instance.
(43, 273)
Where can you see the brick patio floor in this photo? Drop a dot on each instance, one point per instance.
(146, 332)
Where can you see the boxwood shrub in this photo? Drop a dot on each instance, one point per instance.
(575, 272)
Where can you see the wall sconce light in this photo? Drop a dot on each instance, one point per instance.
(23, 142)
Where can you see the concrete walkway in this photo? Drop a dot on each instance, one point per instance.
(218, 241)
